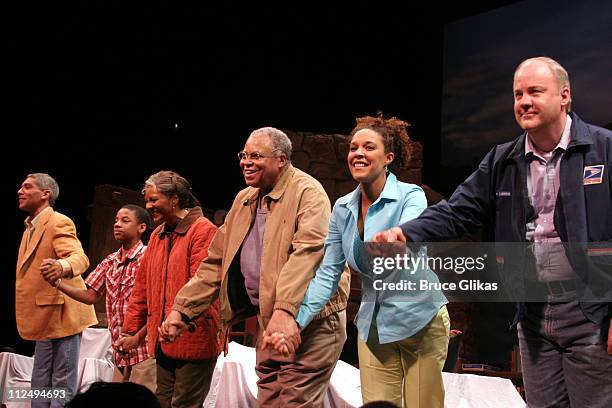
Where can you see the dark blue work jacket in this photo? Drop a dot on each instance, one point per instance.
(495, 199)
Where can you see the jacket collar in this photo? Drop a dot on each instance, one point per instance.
(183, 226)
(579, 136)
(532, 150)
(579, 133)
(42, 216)
(518, 150)
(26, 250)
(279, 188)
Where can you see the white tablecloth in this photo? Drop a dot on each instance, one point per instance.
(234, 382)
(95, 364)
(234, 386)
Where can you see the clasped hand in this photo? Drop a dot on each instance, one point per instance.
(51, 270)
(172, 327)
(282, 333)
(125, 343)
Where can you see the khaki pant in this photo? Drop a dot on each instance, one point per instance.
(143, 373)
(301, 379)
(408, 372)
(183, 384)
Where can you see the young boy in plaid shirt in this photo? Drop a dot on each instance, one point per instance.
(115, 277)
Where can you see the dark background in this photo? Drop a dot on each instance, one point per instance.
(481, 53)
(109, 92)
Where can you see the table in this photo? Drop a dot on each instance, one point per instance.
(234, 385)
(95, 364)
(234, 382)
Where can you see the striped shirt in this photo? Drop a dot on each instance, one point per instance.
(543, 181)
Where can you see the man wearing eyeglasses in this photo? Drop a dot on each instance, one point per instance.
(261, 262)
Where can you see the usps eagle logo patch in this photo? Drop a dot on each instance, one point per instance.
(593, 174)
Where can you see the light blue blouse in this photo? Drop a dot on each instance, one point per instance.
(398, 314)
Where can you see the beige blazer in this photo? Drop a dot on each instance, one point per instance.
(296, 228)
(43, 312)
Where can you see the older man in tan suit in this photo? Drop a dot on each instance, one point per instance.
(49, 252)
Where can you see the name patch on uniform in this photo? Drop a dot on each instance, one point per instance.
(503, 194)
(593, 174)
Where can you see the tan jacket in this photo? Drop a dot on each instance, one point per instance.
(296, 227)
(43, 312)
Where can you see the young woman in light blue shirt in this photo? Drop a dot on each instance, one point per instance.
(403, 337)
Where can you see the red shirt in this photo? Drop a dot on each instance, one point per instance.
(116, 279)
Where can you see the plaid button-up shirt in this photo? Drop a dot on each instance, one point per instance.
(116, 279)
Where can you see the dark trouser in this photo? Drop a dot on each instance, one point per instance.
(183, 384)
(564, 358)
(301, 379)
(56, 365)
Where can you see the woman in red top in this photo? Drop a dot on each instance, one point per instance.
(175, 250)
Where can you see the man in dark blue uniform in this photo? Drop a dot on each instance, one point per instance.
(549, 188)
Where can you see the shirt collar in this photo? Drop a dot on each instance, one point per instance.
(31, 223)
(279, 188)
(131, 253)
(391, 190)
(390, 193)
(563, 142)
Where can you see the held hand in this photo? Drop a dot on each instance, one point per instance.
(387, 244)
(394, 234)
(282, 330)
(126, 343)
(172, 327)
(277, 341)
(51, 270)
(53, 283)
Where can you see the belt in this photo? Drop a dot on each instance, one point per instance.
(554, 287)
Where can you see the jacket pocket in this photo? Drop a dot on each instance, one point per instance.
(46, 300)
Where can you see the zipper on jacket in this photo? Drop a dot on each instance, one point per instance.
(163, 311)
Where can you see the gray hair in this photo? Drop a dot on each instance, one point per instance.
(280, 141)
(46, 182)
(557, 70)
(170, 183)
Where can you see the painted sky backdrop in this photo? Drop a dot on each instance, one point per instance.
(481, 53)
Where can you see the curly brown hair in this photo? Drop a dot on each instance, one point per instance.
(394, 133)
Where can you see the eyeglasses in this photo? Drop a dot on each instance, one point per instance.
(253, 156)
